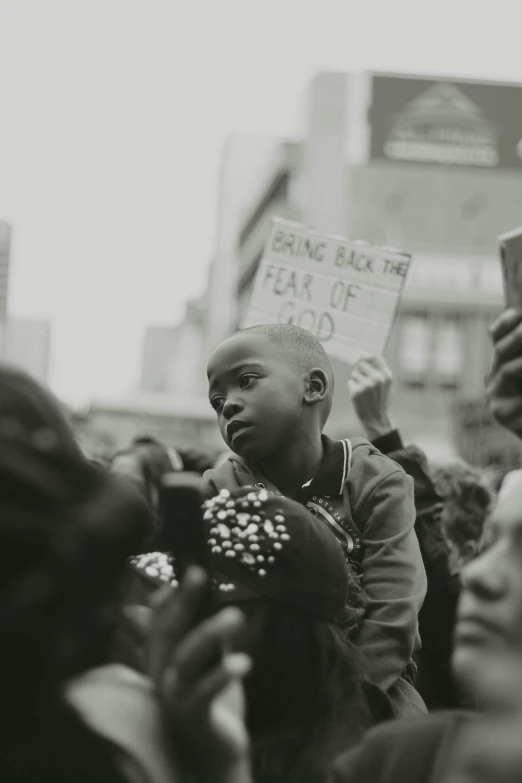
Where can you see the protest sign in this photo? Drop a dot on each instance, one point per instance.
(346, 293)
(511, 259)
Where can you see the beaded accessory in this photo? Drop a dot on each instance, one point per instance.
(241, 530)
(158, 566)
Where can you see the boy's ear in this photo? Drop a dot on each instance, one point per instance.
(317, 386)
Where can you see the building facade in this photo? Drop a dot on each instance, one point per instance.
(180, 422)
(27, 345)
(172, 357)
(432, 166)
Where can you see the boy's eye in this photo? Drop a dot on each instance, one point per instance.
(217, 403)
(246, 380)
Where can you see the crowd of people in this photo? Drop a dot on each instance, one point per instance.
(355, 614)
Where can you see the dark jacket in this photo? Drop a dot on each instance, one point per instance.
(437, 616)
(367, 499)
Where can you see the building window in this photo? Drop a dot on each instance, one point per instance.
(414, 349)
(448, 352)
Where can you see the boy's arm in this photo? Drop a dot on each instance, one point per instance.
(394, 578)
(414, 462)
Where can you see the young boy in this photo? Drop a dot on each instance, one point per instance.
(271, 387)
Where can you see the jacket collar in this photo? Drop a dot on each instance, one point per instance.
(329, 479)
(331, 476)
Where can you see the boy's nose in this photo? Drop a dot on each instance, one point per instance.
(231, 407)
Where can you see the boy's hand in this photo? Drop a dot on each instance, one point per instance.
(504, 383)
(370, 387)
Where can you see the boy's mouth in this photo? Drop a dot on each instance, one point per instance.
(236, 428)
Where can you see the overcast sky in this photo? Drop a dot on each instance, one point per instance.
(113, 115)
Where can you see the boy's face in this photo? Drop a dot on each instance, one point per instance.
(257, 393)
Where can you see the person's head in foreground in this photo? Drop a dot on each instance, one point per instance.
(489, 619)
(306, 696)
(467, 500)
(270, 386)
(66, 530)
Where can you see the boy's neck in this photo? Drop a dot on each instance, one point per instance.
(295, 465)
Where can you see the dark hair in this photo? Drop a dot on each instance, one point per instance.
(467, 498)
(66, 530)
(303, 349)
(307, 697)
(60, 747)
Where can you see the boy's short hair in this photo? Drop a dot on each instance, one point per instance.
(304, 350)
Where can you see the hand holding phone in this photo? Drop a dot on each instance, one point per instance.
(184, 529)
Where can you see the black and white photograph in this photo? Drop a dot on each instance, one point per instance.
(260, 391)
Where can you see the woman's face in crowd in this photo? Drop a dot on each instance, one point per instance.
(489, 619)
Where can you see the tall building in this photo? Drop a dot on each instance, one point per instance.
(172, 358)
(159, 350)
(247, 162)
(432, 166)
(27, 345)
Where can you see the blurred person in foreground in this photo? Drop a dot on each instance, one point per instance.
(370, 388)
(307, 697)
(66, 532)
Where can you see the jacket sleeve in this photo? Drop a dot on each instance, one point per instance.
(394, 578)
(413, 461)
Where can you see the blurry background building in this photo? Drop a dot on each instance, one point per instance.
(27, 344)
(172, 357)
(180, 422)
(425, 164)
(24, 342)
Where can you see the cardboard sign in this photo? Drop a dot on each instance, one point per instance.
(346, 293)
(510, 246)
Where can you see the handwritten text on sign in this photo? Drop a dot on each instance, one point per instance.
(345, 292)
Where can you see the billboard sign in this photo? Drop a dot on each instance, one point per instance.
(446, 122)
